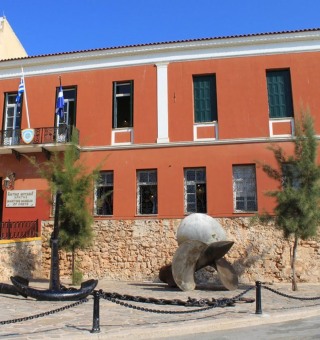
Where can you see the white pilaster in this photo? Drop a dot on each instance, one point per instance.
(162, 103)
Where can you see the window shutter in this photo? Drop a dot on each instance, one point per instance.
(279, 94)
(205, 101)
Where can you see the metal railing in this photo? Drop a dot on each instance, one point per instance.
(43, 135)
(10, 230)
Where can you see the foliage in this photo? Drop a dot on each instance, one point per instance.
(65, 172)
(297, 210)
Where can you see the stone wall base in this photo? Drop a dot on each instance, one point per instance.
(20, 257)
(137, 249)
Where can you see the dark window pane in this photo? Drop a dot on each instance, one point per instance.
(123, 112)
(191, 208)
(148, 199)
(122, 105)
(124, 88)
(12, 98)
(201, 198)
(105, 201)
(104, 194)
(200, 176)
(152, 177)
(69, 94)
(190, 175)
(191, 189)
(240, 205)
(143, 177)
(191, 198)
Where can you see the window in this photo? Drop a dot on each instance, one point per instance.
(279, 94)
(195, 189)
(122, 104)
(244, 188)
(12, 119)
(104, 194)
(205, 98)
(64, 125)
(147, 192)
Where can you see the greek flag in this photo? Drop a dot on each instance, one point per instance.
(60, 104)
(20, 91)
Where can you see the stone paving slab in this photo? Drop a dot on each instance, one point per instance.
(119, 322)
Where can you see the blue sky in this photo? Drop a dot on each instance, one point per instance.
(52, 26)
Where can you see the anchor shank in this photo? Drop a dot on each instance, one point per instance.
(55, 274)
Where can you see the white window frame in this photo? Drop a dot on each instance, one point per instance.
(61, 135)
(148, 182)
(14, 139)
(244, 187)
(115, 103)
(104, 181)
(196, 183)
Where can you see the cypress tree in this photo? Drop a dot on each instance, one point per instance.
(297, 211)
(66, 173)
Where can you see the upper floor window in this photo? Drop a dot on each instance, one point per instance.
(279, 94)
(67, 120)
(147, 188)
(244, 188)
(195, 190)
(11, 118)
(205, 98)
(122, 104)
(69, 113)
(104, 194)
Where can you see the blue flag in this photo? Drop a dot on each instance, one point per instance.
(20, 91)
(60, 104)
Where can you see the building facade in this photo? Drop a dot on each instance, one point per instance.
(179, 127)
(183, 124)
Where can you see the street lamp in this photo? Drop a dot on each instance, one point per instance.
(8, 182)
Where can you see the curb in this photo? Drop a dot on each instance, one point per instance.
(183, 328)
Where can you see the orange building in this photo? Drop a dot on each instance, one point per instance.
(180, 126)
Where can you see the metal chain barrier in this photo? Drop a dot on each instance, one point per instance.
(40, 315)
(259, 300)
(291, 296)
(206, 303)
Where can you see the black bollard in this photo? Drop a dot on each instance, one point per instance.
(258, 298)
(96, 313)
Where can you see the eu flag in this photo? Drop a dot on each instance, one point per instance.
(20, 91)
(60, 104)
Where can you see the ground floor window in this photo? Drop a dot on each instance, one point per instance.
(195, 190)
(104, 194)
(244, 188)
(147, 187)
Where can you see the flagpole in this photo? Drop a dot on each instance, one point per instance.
(25, 98)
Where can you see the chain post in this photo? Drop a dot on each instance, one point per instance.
(258, 298)
(96, 313)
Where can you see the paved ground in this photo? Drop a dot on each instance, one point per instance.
(119, 322)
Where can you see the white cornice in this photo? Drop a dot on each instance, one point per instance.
(265, 44)
(187, 144)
